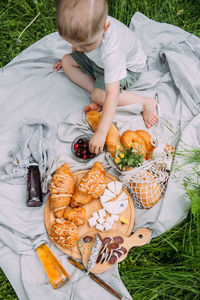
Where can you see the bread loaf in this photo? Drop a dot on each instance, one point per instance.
(113, 137)
(146, 189)
(131, 139)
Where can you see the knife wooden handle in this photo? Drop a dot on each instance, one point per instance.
(105, 285)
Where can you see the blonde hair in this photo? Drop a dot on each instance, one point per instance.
(80, 20)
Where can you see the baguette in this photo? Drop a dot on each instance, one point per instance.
(113, 137)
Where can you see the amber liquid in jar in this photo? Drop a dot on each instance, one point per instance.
(55, 271)
(34, 191)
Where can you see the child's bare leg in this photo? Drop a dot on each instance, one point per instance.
(74, 72)
(125, 98)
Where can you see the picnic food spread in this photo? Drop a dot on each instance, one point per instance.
(70, 201)
(85, 205)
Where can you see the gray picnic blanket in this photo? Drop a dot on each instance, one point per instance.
(31, 92)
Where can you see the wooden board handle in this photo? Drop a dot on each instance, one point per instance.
(140, 237)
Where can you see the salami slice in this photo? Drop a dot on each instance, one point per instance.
(99, 259)
(119, 253)
(110, 254)
(118, 239)
(113, 246)
(123, 249)
(113, 259)
(104, 248)
(87, 239)
(106, 240)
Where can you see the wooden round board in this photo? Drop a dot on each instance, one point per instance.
(95, 205)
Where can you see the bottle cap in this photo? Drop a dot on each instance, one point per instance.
(33, 164)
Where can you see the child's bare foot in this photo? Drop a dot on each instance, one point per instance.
(92, 106)
(149, 112)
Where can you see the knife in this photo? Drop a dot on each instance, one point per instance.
(98, 280)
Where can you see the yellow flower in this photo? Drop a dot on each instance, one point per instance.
(117, 159)
(121, 155)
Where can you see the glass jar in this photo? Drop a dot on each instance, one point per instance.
(55, 271)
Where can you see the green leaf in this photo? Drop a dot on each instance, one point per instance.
(195, 202)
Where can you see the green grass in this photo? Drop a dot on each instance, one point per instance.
(169, 267)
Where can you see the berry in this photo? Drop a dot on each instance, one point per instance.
(80, 142)
(84, 156)
(78, 153)
(84, 145)
(83, 152)
(91, 155)
(76, 146)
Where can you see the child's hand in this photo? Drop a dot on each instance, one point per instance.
(97, 142)
(57, 66)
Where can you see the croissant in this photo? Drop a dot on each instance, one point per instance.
(61, 189)
(65, 233)
(76, 215)
(113, 137)
(91, 186)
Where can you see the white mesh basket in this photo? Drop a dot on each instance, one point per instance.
(147, 183)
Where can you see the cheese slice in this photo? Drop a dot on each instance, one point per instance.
(107, 195)
(123, 196)
(118, 187)
(111, 187)
(116, 207)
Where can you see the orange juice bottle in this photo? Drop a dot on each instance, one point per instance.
(55, 271)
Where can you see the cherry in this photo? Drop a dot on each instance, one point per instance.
(78, 153)
(84, 145)
(84, 156)
(83, 152)
(91, 155)
(76, 146)
(80, 142)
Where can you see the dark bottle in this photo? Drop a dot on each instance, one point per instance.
(34, 191)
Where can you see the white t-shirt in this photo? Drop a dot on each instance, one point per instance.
(119, 50)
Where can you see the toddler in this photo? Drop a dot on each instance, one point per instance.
(106, 59)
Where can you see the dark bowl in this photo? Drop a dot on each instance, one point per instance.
(82, 147)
